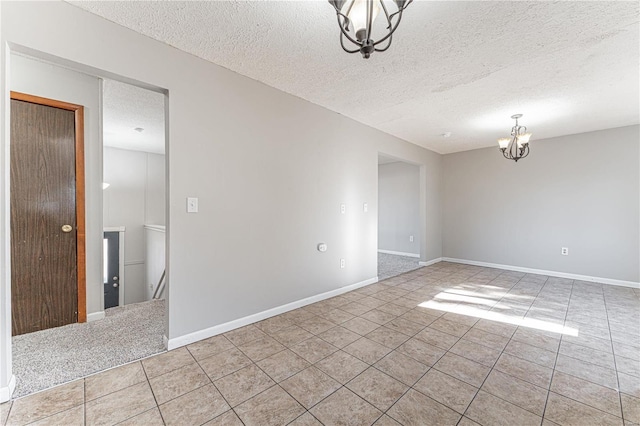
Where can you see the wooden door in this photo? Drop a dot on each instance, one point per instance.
(47, 214)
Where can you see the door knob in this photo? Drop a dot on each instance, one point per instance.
(115, 278)
(67, 228)
(115, 285)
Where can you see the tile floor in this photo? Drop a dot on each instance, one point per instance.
(442, 345)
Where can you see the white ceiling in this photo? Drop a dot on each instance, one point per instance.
(455, 66)
(127, 107)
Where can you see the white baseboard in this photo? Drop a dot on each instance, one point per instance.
(95, 316)
(6, 392)
(430, 262)
(399, 253)
(599, 280)
(187, 339)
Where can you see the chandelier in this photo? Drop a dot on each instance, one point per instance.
(356, 19)
(516, 146)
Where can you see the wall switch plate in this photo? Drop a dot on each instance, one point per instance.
(343, 208)
(565, 251)
(192, 205)
(365, 207)
(410, 238)
(322, 247)
(342, 263)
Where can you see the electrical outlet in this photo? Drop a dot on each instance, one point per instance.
(343, 208)
(342, 263)
(565, 251)
(365, 207)
(410, 238)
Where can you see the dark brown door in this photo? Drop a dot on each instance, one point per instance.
(44, 276)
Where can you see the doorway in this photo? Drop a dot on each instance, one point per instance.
(398, 217)
(47, 213)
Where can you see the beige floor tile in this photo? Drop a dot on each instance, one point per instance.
(537, 338)
(377, 388)
(531, 353)
(196, 407)
(341, 366)
(487, 339)
(356, 308)
(584, 370)
(243, 384)
(465, 421)
(317, 325)
(523, 394)
(227, 419)
(386, 421)
(437, 338)
(338, 316)
(404, 326)
(211, 346)
(72, 417)
(461, 368)
(393, 309)
(168, 361)
(367, 350)
(113, 380)
(387, 337)
(378, 316)
(447, 390)
(592, 356)
(450, 327)
(261, 348)
(121, 405)
(597, 396)
(243, 335)
(629, 384)
(148, 418)
(595, 343)
(283, 365)
(626, 351)
(220, 365)
(310, 386)
(291, 335)
(306, 419)
(360, 326)
(275, 323)
(401, 367)
(314, 349)
(178, 382)
(271, 407)
(421, 351)
(487, 409)
(416, 409)
(630, 408)
(339, 336)
(475, 352)
(524, 370)
(47, 403)
(628, 366)
(5, 407)
(495, 327)
(565, 411)
(419, 316)
(345, 408)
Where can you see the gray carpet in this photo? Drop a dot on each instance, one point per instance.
(49, 357)
(390, 265)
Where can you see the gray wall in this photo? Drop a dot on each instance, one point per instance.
(134, 198)
(579, 191)
(270, 170)
(399, 207)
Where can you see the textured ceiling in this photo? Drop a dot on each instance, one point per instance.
(459, 67)
(127, 107)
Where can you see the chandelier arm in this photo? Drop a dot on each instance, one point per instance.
(401, 10)
(386, 47)
(386, 14)
(391, 31)
(343, 32)
(343, 46)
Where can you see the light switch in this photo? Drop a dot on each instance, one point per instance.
(192, 205)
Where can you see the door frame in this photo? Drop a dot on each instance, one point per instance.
(80, 191)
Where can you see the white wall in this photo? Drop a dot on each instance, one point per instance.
(134, 198)
(580, 191)
(399, 207)
(270, 171)
(49, 81)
